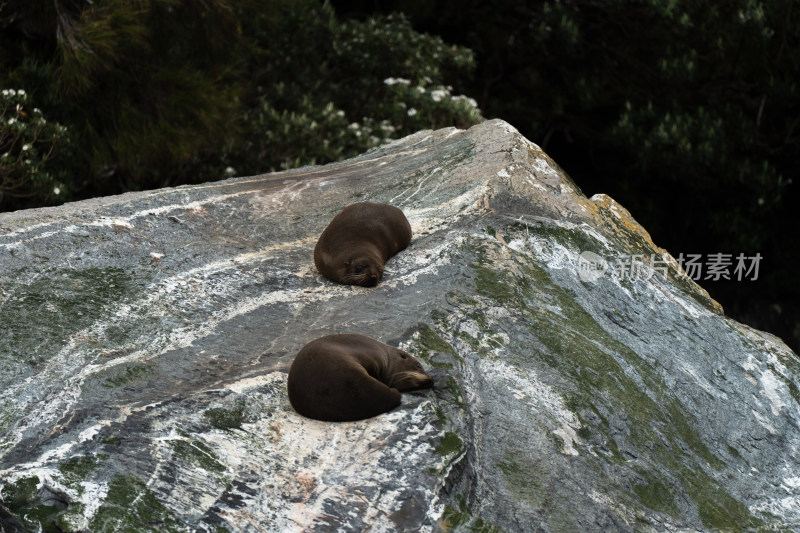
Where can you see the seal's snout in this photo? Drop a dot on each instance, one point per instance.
(426, 383)
(411, 380)
(370, 280)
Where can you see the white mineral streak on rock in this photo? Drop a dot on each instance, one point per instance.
(612, 204)
(761, 419)
(532, 180)
(298, 466)
(544, 404)
(559, 257)
(426, 219)
(91, 494)
(110, 222)
(409, 269)
(699, 381)
(792, 483)
(262, 205)
(772, 388)
(418, 188)
(770, 375)
(786, 507)
(666, 293)
(73, 359)
(67, 362)
(304, 465)
(508, 128)
(246, 384)
(549, 252)
(125, 221)
(544, 172)
(789, 505)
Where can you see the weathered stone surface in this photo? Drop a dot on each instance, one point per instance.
(146, 340)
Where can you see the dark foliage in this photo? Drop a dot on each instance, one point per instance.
(162, 92)
(686, 112)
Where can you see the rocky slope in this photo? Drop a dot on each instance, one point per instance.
(583, 382)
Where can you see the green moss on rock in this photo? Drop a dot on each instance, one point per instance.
(226, 419)
(126, 375)
(450, 444)
(129, 506)
(197, 453)
(21, 493)
(604, 371)
(428, 340)
(457, 392)
(655, 495)
(459, 518)
(75, 470)
(21, 498)
(45, 312)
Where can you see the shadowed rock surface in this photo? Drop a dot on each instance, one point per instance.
(146, 339)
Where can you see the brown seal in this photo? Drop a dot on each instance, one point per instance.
(357, 243)
(338, 378)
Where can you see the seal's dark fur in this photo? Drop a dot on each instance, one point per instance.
(346, 377)
(355, 246)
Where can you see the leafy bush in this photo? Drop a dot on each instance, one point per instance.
(164, 92)
(29, 144)
(327, 90)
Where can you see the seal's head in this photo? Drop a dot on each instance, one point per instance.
(406, 373)
(364, 271)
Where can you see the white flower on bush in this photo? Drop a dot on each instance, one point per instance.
(438, 94)
(469, 101)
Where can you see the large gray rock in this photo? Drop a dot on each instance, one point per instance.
(146, 339)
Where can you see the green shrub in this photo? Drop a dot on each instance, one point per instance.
(29, 148)
(165, 92)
